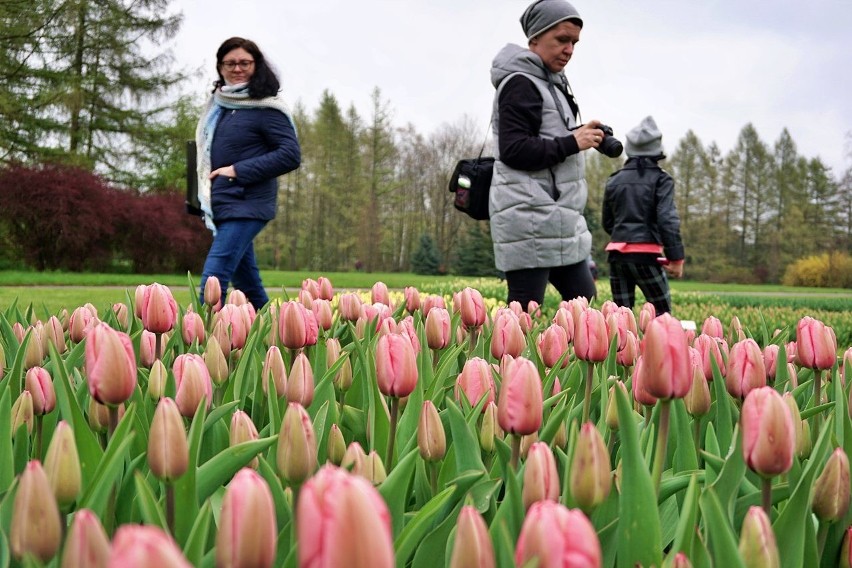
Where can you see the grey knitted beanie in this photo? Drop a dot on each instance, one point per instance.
(542, 15)
(644, 140)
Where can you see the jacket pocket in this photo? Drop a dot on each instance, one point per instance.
(226, 189)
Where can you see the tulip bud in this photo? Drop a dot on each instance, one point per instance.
(490, 428)
(237, 298)
(475, 381)
(770, 360)
(591, 342)
(560, 438)
(140, 546)
(343, 377)
(349, 306)
(541, 480)
(757, 540)
(322, 313)
(374, 469)
(526, 443)
(159, 309)
(831, 489)
(846, 550)
(612, 407)
(297, 325)
(735, 331)
(627, 356)
(341, 520)
(55, 335)
(22, 412)
(222, 335)
(591, 473)
(711, 348)
(471, 308)
(554, 535)
(62, 466)
(552, 345)
(214, 360)
(430, 433)
(647, 313)
(212, 291)
(40, 385)
(430, 302)
(438, 328)
(507, 338)
(565, 320)
(800, 427)
(407, 329)
(87, 543)
(520, 405)
(336, 445)
(697, 400)
(110, 365)
(396, 366)
(297, 446)
(473, 545)
(412, 299)
(355, 459)
(816, 345)
(712, 327)
(192, 383)
(274, 370)
(237, 322)
(248, 530)
(18, 331)
(98, 416)
(768, 433)
(379, 294)
(243, 430)
(300, 383)
(746, 370)
(35, 525)
(666, 359)
(34, 354)
(157, 380)
(640, 393)
(192, 328)
(681, 560)
(168, 450)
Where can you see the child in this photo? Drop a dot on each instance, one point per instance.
(640, 216)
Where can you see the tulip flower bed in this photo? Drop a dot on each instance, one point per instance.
(378, 429)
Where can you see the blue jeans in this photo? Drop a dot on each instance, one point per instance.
(231, 260)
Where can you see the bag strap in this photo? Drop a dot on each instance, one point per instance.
(487, 132)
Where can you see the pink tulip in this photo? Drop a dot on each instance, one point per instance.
(816, 345)
(591, 342)
(473, 547)
(472, 308)
(142, 546)
(55, 335)
(507, 338)
(770, 360)
(212, 291)
(608, 307)
(248, 530)
(243, 430)
(274, 370)
(349, 306)
(565, 320)
(712, 348)
(640, 393)
(35, 526)
(713, 327)
(406, 329)
(192, 329)
(341, 520)
(168, 449)
(78, 324)
(326, 290)
(590, 471)
(192, 383)
(306, 299)
(476, 381)
(159, 309)
(846, 550)
(541, 479)
(297, 326)
(519, 408)
(746, 370)
(87, 543)
(396, 366)
(40, 385)
(769, 438)
(553, 344)
(646, 315)
(438, 328)
(297, 445)
(379, 294)
(626, 357)
(236, 321)
(110, 365)
(412, 299)
(757, 540)
(139, 298)
(558, 537)
(311, 286)
(666, 362)
(147, 348)
(300, 383)
(430, 302)
(323, 313)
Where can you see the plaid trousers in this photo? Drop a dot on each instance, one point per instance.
(651, 279)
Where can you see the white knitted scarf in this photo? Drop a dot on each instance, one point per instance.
(226, 97)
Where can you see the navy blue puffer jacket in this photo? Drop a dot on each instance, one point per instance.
(261, 144)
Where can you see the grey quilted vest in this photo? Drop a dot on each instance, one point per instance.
(537, 216)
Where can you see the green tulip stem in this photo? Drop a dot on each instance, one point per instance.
(209, 310)
(766, 494)
(587, 400)
(433, 476)
(113, 420)
(696, 422)
(817, 398)
(662, 443)
(436, 358)
(38, 421)
(822, 536)
(341, 402)
(158, 346)
(394, 415)
(516, 451)
(293, 529)
(170, 507)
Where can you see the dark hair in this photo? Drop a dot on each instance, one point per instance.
(263, 83)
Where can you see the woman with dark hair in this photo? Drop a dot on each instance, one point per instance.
(245, 139)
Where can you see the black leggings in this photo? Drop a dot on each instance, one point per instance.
(571, 281)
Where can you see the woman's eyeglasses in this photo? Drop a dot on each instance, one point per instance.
(245, 65)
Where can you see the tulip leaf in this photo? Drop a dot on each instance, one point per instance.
(677, 483)
(556, 419)
(685, 456)
(724, 422)
(394, 488)
(14, 379)
(685, 532)
(713, 462)
(510, 513)
(21, 443)
(279, 498)
(96, 494)
(723, 541)
(465, 443)
(88, 447)
(416, 529)
(4, 550)
(814, 410)
(731, 476)
(639, 532)
(152, 513)
(186, 494)
(194, 548)
(443, 373)
(219, 469)
(218, 413)
(436, 544)
(503, 544)
(788, 525)
(7, 458)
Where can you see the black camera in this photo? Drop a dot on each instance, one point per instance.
(610, 145)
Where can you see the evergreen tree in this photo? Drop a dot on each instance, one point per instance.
(476, 252)
(425, 259)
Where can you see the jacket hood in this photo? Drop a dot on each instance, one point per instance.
(516, 59)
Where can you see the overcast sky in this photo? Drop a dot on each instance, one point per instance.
(711, 66)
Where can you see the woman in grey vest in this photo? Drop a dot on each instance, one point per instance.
(538, 189)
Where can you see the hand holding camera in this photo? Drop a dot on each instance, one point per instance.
(598, 136)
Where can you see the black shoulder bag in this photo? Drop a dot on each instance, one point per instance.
(471, 184)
